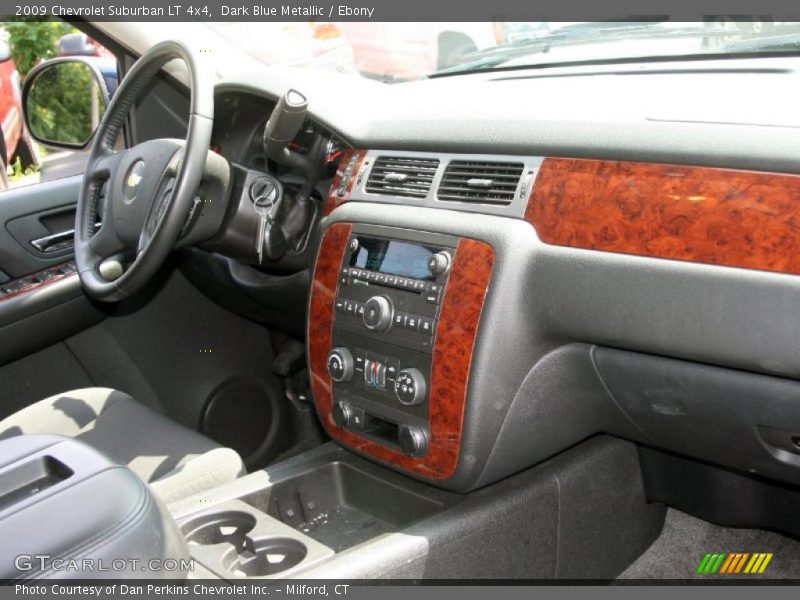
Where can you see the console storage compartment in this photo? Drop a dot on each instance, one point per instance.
(341, 505)
(64, 500)
(30, 478)
(562, 518)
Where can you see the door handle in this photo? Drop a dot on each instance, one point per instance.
(57, 241)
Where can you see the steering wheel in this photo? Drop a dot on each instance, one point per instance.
(145, 192)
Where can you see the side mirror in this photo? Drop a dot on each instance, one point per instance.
(63, 100)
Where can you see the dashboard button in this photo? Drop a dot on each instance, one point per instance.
(356, 418)
(375, 373)
(425, 325)
(392, 369)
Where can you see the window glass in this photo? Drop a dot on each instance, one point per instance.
(23, 46)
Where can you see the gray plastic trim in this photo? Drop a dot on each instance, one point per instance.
(543, 297)
(515, 209)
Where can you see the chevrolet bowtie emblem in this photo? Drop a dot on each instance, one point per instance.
(132, 181)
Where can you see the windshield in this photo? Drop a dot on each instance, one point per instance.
(394, 52)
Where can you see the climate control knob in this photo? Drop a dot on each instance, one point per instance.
(340, 365)
(412, 440)
(410, 387)
(378, 313)
(341, 413)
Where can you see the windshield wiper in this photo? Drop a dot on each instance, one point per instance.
(594, 33)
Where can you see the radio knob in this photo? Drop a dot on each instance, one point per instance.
(340, 365)
(378, 313)
(439, 263)
(412, 440)
(341, 413)
(409, 387)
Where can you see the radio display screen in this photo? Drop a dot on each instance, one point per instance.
(393, 257)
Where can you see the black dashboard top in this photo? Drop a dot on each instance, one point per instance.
(727, 113)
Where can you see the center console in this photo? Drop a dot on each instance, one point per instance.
(393, 320)
(67, 511)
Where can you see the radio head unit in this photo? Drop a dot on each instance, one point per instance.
(396, 258)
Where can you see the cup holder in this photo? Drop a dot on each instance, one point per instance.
(229, 527)
(265, 557)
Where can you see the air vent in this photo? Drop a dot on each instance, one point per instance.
(402, 176)
(480, 181)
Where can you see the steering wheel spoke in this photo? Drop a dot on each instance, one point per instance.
(104, 242)
(105, 165)
(149, 188)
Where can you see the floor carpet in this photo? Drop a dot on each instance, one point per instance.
(685, 540)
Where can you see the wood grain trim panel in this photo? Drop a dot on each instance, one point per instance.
(34, 283)
(462, 305)
(333, 201)
(706, 215)
(320, 317)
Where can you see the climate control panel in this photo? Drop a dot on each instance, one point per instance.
(386, 313)
(407, 385)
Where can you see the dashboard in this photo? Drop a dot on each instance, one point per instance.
(239, 127)
(624, 265)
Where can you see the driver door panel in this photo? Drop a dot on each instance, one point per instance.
(30, 214)
(41, 300)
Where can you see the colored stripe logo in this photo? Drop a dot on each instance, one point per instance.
(736, 563)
